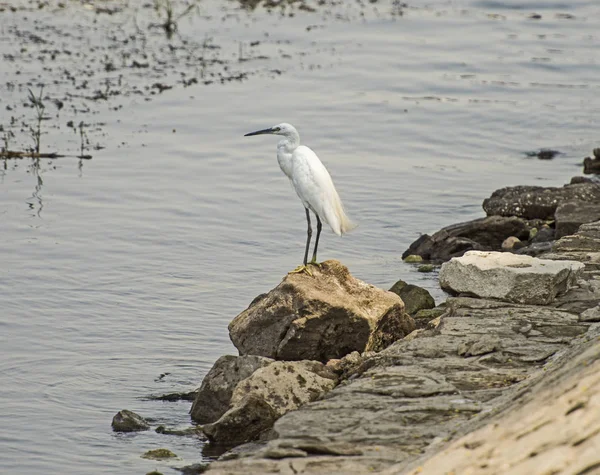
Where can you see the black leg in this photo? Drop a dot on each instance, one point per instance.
(308, 236)
(319, 227)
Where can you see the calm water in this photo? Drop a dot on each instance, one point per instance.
(133, 265)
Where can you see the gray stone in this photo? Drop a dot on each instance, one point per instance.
(484, 234)
(319, 317)
(531, 202)
(409, 398)
(570, 215)
(509, 277)
(415, 298)
(214, 396)
(590, 315)
(129, 421)
(244, 422)
(535, 249)
(286, 385)
(544, 234)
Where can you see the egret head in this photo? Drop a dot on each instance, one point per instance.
(285, 129)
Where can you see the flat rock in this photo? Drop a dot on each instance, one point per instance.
(214, 396)
(484, 234)
(320, 317)
(537, 202)
(570, 215)
(509, 277)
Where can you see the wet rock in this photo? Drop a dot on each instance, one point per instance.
(544, 154)
(592, 165)
(544, 234)
(509, 277)
(320, 317)
(159, 454)
(286, 385)
(214, 396)
(129, 421)
(535, 249)
(413, 258)
(415, 298)
(244, 422)
(579, 179)
(193, 469)
(569, 216)
(531, 202)
(423, 317)
(188, 431)
(425, 268)
(484, 234)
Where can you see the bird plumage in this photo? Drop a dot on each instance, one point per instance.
(312, 182)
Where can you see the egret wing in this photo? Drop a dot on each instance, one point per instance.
(314, 186)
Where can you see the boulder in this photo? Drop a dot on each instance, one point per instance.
(569, 216)
(286, 385)
(129, 421)
(319, 317)
(244, 422)
(214, 396)
(415, 298)
(266, 395)
(483, 234)
(537, 202)
(509, 277)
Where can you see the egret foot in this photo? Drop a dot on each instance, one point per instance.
(300, 269)
(314, 262)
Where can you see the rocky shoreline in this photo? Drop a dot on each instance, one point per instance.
(337, 376)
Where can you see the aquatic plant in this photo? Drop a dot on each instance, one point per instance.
(36, 131)
(166, 10)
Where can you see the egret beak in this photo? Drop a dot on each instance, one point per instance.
(260, 132)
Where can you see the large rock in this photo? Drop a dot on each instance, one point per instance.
(320, 317)
(417, 394)
(509, 277)
(214, 396)
(484, 234)
(415, 298)
(266, 395)
(286, 385)
(531, 202)
(244, 422)
(569, 216)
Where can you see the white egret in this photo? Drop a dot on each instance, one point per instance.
(312, 183)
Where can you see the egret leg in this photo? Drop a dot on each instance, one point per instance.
(319, 227)
(304, 267)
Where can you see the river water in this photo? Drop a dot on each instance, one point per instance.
(119, 274)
